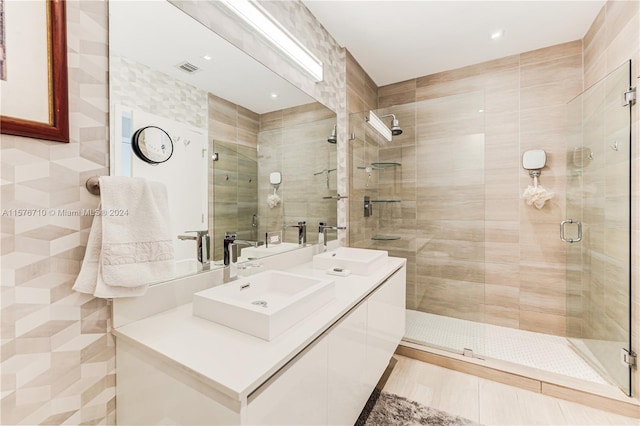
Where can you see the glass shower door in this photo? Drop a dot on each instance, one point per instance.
(597, 228)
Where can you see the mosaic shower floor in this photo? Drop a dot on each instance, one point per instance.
(536, 350)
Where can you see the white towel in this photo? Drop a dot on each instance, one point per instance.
(130, 243)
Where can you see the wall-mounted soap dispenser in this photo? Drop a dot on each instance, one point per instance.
(275, 178)
(534, 161)
(535, 195)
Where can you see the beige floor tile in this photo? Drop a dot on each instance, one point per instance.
(498, 404)
(577, 414)
(436, 387)
(488, 402)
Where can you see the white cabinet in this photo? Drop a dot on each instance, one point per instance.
(296, 395)
(348, 390)
(149, 392)
(328, 383)
(385, 324)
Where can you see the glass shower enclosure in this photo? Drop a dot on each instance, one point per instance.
(425, 198)
(597, 228)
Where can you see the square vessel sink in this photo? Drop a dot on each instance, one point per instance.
(251, 253)
(359, 261)
(265, 304)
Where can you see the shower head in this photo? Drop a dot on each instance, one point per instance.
(395, 125)
(333, 138)
(395, 128)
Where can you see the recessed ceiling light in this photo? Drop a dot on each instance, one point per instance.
(274, 95)
(496, 35)
(207, 57)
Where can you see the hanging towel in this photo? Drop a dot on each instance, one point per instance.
(130, 244)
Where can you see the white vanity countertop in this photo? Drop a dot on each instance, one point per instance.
(236, 363)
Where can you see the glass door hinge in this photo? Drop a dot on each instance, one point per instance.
(628, 357)
(629, 97)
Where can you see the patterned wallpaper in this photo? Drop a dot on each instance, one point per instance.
(136, 85)
(58, 363)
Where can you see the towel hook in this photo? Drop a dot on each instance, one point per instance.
(93, 185)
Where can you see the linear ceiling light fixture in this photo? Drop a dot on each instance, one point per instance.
(266, 25)
(375, 122)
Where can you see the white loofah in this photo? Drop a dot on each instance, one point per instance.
(536, 195)
(273, 200)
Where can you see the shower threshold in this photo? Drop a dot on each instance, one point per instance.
(534, 361)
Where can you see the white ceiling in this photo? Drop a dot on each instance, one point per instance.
(399, 40)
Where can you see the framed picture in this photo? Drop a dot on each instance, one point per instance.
(33, 69)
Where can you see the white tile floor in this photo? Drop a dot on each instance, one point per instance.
(536, 350)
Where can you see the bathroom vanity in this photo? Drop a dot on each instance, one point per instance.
(177, 368)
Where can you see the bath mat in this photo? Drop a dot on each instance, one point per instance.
(387, 409)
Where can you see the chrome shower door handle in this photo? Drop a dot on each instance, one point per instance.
(562, 234)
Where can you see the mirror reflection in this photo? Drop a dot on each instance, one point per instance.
(233, 123)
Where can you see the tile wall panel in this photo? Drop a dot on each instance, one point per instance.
(233, 130)
(362, 96)
(523, 107)
(58, 360)
(305, 127)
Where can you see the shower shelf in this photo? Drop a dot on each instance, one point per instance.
(386, 201)
(384, 165)
(385, 237)
(378, 166)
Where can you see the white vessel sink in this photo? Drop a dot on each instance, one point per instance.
(265, 304)
(251, 253)
(359, 261)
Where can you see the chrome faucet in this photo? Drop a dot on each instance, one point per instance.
(229, 238)
(202, 246)
(231, 245)
(302, 232)
(322, 233)
(231, 250)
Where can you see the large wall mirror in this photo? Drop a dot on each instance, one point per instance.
(234, 126)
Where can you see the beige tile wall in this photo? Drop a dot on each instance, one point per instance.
(362, 96)
(233, 133)
(506, 263)
(58, 360)
(305, 127)
(613, 38)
